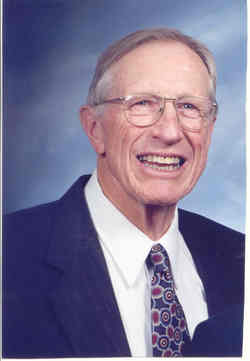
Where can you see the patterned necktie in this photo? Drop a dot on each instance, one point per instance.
(169, 328)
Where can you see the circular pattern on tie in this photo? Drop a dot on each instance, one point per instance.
(169, 328)
(166, 275)
(168, 295)
(163, 342)
(165, 317)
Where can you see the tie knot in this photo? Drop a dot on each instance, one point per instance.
(159, 259)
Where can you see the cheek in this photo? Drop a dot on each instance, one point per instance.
(121, 155)
(206, 141)
(116, 143)
(112, 131)
(199, 142)
(201, 149)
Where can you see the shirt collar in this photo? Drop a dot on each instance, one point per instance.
(127, 245)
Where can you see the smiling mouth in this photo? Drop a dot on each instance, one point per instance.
(161, 162)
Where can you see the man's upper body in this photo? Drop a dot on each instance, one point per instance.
(126, 249)
(150, 115)
(60, 301)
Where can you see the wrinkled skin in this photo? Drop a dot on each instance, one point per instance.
(148, 196)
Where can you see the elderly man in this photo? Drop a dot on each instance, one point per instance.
(113, 268)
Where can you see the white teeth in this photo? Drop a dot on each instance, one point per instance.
(162, 167)
(160, 159)
(160, 162)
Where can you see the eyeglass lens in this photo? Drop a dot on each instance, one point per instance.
(144, 110)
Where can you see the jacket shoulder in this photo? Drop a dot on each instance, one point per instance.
(22, 224)
(193, 224)
(25, 243)
(37, 219)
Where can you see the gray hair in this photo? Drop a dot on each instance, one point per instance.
(102, 79)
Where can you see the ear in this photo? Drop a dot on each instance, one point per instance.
(93, 128)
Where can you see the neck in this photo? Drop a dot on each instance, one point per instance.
(153, 220)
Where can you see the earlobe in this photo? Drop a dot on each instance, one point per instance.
(93, 128)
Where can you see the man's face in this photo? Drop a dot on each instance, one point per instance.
(166, 69)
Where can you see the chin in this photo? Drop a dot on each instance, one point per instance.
(159, 199)
(162, 193)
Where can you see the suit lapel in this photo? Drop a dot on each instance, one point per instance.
(203, 252)
(83, 298)
(215, 260)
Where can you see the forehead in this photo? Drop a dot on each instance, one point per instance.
(170, 68)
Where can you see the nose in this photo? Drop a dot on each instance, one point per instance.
(168, 128)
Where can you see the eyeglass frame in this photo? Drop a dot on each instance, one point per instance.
(123, 99)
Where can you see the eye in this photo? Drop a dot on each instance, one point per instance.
(142, 105)
(188, 106)
(143, 102)
(188, 109)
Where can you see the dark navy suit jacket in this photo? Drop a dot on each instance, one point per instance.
(219, 336)
(58, 299)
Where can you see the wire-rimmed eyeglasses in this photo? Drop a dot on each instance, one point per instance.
(143, 110)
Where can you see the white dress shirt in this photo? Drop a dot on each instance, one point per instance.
(125, 249)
